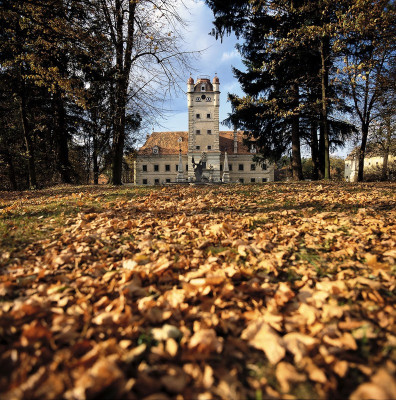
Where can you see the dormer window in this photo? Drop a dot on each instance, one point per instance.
(202, 88)
(155, 150)
(253, 149)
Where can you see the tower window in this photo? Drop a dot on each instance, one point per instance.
(177, 167)
(156, 167)
(252, 167)
(197, 132)
(198, 116)
(209, 131)
(167, 167)
(207, 115)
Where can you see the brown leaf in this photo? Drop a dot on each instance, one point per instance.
(261, 336)
(287, 374)
(206, 341)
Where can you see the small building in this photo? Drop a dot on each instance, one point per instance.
(203, 153)
(373, 162)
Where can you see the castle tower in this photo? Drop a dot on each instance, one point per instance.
(203, 99)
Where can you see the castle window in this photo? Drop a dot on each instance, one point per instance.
(167, 167)
(156, 167)
(209, 147)
(156, 181)
(207, 115)
(230, 167)
(240, 167)
(144, 168)
(155, 150)
(167, 180)
(197, 147)
(264, 180)
(252, 180)
(144, 181)
(209, 131)
(197, 132)
(198, 116)
(241, 180)
(221, 167)
(264, 167)
(252, 167)
(187, 167)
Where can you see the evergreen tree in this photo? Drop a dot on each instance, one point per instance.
(288, 53)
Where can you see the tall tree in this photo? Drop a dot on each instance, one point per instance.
(368, 28)
(146, 49)
(287, 51)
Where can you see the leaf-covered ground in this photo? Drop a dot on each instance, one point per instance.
(198, 292)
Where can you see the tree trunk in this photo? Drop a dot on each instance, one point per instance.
(95, 160)
(296, 153)
(321, 150)
(118, 136)
(315, 151)
(28, 139)
(384, 174)
(324, 75)
(124, 47)
(61, 137)
(11, 170)
(362, 152)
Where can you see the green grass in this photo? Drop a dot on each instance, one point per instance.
(42, 214)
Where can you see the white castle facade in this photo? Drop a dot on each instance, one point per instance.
(203, 153)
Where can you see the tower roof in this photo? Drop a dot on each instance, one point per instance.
(216, 79)
(190, 81)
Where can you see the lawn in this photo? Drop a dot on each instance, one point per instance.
(280, 290)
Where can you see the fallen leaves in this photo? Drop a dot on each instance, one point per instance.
(233, 292)
(261, 336)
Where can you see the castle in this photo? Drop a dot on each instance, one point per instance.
(203, 154)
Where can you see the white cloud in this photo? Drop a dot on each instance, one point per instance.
(229, 55)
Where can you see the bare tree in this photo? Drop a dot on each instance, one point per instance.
(148, 60)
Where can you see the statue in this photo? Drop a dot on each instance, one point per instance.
(198, 167)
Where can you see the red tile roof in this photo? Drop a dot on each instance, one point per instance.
(168, 143)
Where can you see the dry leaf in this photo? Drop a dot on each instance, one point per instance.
(286, 374)
(261, 336)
